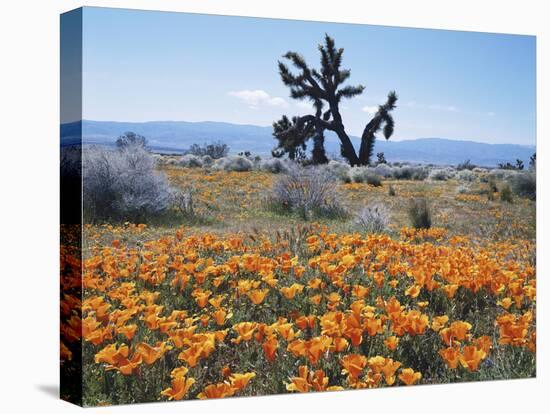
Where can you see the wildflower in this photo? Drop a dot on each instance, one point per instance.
(391, 342)
(257, 296)
(471, 357)
(408, 376)
(451, 356)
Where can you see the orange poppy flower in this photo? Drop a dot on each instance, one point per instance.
(257, 296)
(239, 381)
(180, 387)
(391, 342)
(353, 364)
(408, 376)
(220, 390)
(151, 354)
(270, 347)
(471, 357)
(245, 331)
(291, 291)
(451, 356)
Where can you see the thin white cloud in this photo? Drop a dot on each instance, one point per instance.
(258, 97)
(369, 109)
(435, 107)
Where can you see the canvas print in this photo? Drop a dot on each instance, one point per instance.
(263, 206)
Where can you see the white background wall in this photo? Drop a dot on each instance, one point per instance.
(29, 205)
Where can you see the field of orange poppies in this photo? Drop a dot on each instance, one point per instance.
(251, 303)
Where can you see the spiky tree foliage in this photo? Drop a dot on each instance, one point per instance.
(519, 164)
(325, 89)
(291, 138)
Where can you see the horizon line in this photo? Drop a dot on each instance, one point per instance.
(269, 126)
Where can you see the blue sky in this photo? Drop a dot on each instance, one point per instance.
(150, 66)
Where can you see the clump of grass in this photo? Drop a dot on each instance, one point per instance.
(308, 192)
(373, 218)
(391, 191)
(506, 193)
(419, 213)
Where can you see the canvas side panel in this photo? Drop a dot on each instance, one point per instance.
(71, 207)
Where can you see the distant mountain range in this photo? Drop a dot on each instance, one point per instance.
(176, 136)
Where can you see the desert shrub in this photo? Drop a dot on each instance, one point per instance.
(419, 213)
(374, 180)
(122, 185)
(358, 174)
(466, 165)
(480, 170)
(465, 175)
(309, 192)
(391, 191)
(506, 193)
(273, 165)
(233, 163)
(409, 172)
(364, 175)
(402, 173)
(439, 174)
(383, 170)
(182, 201)
(501, 174)
(191, 161)
(373, 218)
(525, 185)
(131, 139)
(339, 170)
(215, 150)
(207, 160)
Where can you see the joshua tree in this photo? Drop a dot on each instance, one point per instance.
(381, 158)
(291, 139)
(325, 89)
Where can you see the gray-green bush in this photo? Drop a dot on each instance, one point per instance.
(373, 218)
(309, 192)
(122, 184)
